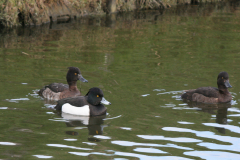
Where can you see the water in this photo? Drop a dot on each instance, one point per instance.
(142, 61)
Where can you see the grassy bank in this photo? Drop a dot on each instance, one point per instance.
(37, 12)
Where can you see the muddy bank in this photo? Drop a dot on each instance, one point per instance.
(38, 12)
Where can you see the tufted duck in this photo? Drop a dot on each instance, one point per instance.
(88, 105)
(57, 91)
(211, 94)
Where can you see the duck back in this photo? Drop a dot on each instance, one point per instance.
(53, 91)
(57, 87)
(78, 101)
(208, 91)
(201, 94)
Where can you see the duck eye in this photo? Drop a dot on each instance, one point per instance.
(97, 95)
(75, 74)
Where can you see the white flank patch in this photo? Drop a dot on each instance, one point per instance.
(82, 111)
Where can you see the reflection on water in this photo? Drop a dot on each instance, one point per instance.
(213, 155)
(149, 150)
(126, 128)
(72, 133)
(140, 156)
(207, 134)
(182, 122)
(66, 146)
(17, 100)
(42, 156)
(3, 107)
(178, 139)
(8, 143)
(70, 139)
(94, 124)
(89, 143)
(142, 61)
(219, 109)
(128, 143)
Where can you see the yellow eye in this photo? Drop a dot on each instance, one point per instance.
(97, 95)
(222, 77)
(75, 74)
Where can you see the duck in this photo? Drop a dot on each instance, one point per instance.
(211, 94)
(92, 104)
(57, 91)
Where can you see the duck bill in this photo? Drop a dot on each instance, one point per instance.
(104, 101)
(80, 77)
(227, 84)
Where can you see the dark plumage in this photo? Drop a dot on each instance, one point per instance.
(57, 91)
(90, 104)
(211, 94)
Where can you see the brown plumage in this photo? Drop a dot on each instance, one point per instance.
(57, 91)
(211, 94)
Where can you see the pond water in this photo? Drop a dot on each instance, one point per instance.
(142, 61)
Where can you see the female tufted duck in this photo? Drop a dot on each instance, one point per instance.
(57, 91)
(88, 105)
(211, 94)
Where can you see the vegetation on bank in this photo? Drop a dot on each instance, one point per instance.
(37, 12)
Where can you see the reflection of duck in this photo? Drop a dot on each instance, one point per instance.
(221, 118)
(57, 91)
(211, 94)
(221, 115)
(89, 105)
(94, 124)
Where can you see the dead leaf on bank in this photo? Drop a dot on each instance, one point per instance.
(25, 53)
(157, 54)
(34, 56)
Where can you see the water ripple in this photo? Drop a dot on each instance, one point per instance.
(17, 99)
(8, 143)
(178, 139)
(43, 156)
(140, 156)
(229, 127)
(89, 143)
(171, 92)
(128, 143)
(169, 105)
(183, 122)
(213, 155)
(207, 134)
(86, 154)
(113, 117)
(126, 128)
(145, 95)
(3, 107)
(69, 139)
(102, 137)
(234, 115)
(159, 90)
(58, 120)
(233, 109)
(149, 150)
(145, 157)
(65, 146)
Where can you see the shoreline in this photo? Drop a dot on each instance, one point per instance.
(39, 12)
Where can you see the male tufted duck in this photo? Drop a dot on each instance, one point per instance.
(57, 91)
(88, 105)
(211, 94)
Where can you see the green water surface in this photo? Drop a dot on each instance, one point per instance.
(142, 61)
